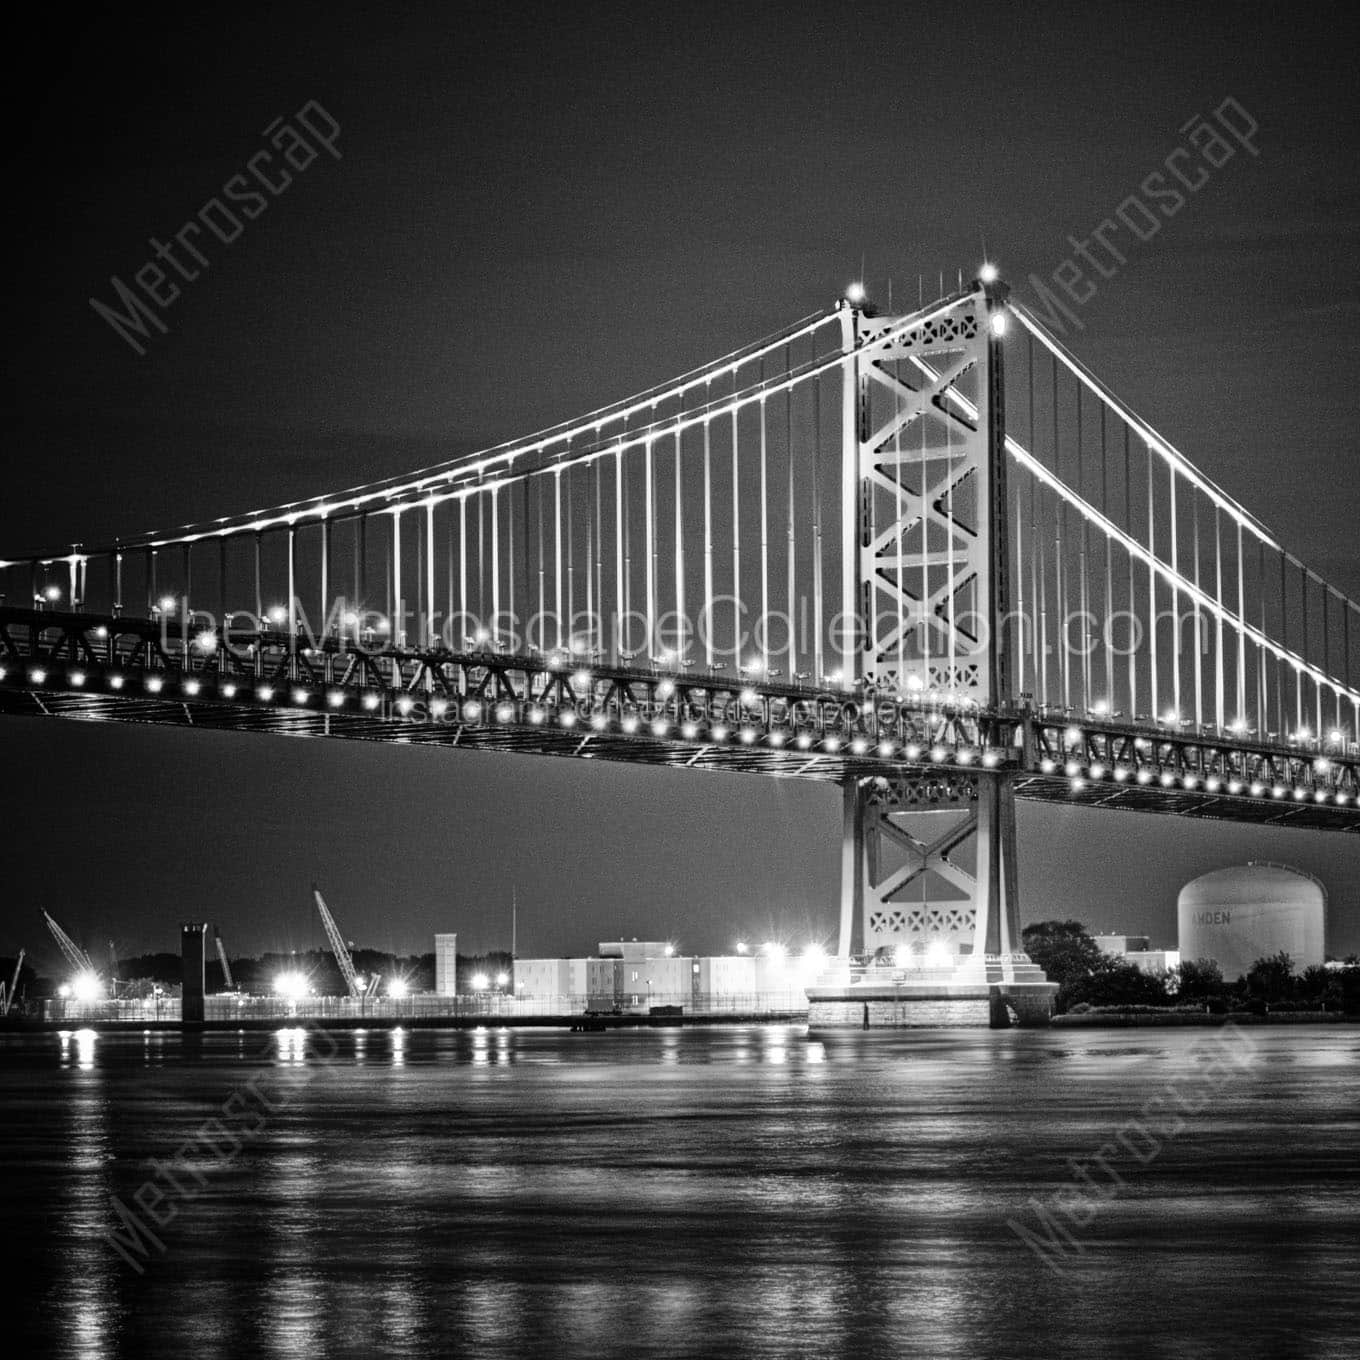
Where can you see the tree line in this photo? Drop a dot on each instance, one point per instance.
(1088, 977)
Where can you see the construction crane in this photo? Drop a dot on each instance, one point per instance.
(75, 955)
(338, 946)
(227, 981)
(7, 997)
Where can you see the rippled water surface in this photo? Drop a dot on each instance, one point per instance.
(727, 1192)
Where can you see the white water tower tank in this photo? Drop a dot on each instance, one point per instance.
(1248, 912)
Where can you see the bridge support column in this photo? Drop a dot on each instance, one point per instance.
(929, 910)
(192, 964)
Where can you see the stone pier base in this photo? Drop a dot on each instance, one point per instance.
(884, 998)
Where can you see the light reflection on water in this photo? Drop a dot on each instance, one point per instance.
(732, 1191)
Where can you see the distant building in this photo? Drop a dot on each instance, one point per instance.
(1252, 911)
(633, 975)
(1135, 949)
(446, 964)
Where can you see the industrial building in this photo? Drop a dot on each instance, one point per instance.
(1137, 950)
(1237, 915)
(634, 975)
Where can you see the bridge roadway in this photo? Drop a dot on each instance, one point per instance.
(107, 668)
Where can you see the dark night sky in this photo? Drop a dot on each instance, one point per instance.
(539, 209)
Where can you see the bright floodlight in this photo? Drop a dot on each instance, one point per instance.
(167, 604)
(998, 323)
(773, 949)
(988, 273)
(480, 982)
(855, 294)
(669, 950)
(290, 986)
(86, 986)
(53, 592)
(939, 955)
(398, 988)
(502, 979)
(814, 953)
(64, 990)
(276, 613)
(206, 641)
(742, 947)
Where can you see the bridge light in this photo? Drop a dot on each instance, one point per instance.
(472, 710)
(398, 989)
(1341, 797)
(581, 679)
(191, 687)
(719, 733)
(53, 594)
(937, 753)
(915, 684)
(1121, 773)
(1072, 736)
(998, 323)
(773, 949)
(1321, 795)
(1078, 783)
(536, 714)
(802, 741)
(859, 746)
(1234, 786)
(660, 727)
(567, 717)
(1189, 781)
(480, 982)
(1334, 736)
(778, 737)
(336, 698)
(1101, 708)
(1211, 784)
(748, 735)
(206, 641)
(749, 698)
(630, 723)
(1071, 768)
(300, 696)
(1171, 718)
(265, 693)
(1047, 765)
(228, 690)
(1097, 771)
(1145, 776)
(1239, 727)
(832, 744)
(913, 751)
(990, 759)
(504, 712)
(665, 689)
(404, 705)
(1167, 779)
(1257, 789)
(1277, 791)
(742, 947)
(77, 678)
(989, 272)
(101, 632)
(885, 748)
(855, 294)
(37, 675)
(370, 701)
(154, 683)
(689, 731)
(598, 721)
(1322, 764)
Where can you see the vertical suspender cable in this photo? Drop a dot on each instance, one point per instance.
(764, 533)
(790, 564)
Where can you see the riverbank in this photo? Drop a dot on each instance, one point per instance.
(1136, 1019)
(575, 1021)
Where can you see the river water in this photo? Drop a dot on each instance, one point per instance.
(723, 1192)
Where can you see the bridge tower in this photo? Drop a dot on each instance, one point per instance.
(924, 580)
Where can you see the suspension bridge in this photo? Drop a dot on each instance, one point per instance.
(929, 557)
